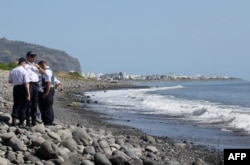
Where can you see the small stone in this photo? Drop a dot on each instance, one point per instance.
(39, 128)
(151, 149)
(54, 136)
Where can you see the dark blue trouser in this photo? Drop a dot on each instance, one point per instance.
(32, 109)
(46, 106)
(20, 102)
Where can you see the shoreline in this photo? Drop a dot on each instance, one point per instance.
(210, 154)
(115, 142)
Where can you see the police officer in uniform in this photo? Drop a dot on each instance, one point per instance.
(46, 94)
(21, 94)
(34, 70)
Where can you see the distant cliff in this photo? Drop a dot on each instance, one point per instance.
(10, 51)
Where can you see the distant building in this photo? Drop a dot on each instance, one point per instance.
(170, 77)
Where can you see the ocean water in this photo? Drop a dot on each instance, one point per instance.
(210, 113)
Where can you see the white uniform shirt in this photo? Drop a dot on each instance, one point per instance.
(47, 76)
(19, 76)
(33, 72)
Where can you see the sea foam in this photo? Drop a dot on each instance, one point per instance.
(141, 101)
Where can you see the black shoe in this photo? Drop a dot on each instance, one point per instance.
(28, 123)
(13, 122)
(49, 124)
(21, 123)
(33, 122)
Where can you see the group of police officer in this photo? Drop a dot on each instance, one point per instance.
(34, 84)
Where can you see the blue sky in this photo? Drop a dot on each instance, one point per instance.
(185, 37)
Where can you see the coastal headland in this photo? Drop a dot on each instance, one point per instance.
(84, 137)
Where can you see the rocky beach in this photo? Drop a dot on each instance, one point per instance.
(84, 137)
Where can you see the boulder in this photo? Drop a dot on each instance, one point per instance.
(76, 159)
(105, 146)
(101, 159)
(4, 161)
(54, 136)
(31, 158)
(64, 153)
(48, 150)
(38, 128)
(69, 143)
(117, 160)
(7, 136)
(87, 162)
(16, 144)
(89, 150)
(82, 137)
